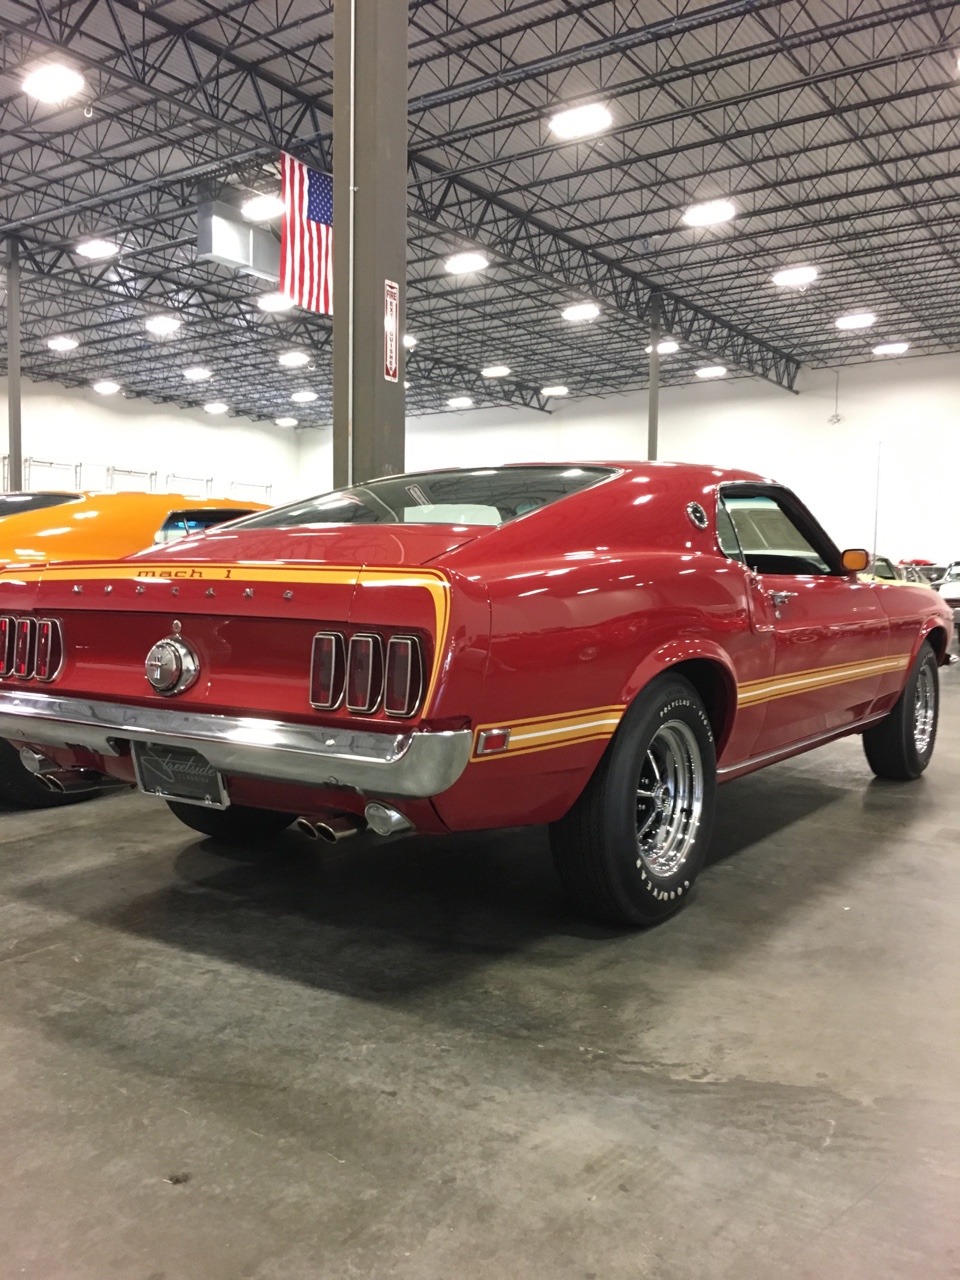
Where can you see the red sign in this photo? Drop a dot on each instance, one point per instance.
(391, 331)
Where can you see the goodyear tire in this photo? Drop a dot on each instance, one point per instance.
(630, 849)
(238, 825)
(901, 745)
(21, 789)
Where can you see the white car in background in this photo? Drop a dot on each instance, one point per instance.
(949, 587)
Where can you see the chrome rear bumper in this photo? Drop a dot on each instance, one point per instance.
(396, 764)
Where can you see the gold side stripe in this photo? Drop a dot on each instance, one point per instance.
(900, 659)
(789, 686)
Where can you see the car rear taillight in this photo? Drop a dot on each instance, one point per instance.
(24, 648)
(364, 674)
(328, 670)
(49, 651)
(403, 683)
(367, 673)
(6, 646)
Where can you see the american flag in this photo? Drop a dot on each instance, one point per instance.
(306, 236)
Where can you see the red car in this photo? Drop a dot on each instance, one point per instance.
(589, 646)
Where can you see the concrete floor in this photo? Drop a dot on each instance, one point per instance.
(412, 1061)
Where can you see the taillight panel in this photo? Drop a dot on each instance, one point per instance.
(367, 673)
(30, 648)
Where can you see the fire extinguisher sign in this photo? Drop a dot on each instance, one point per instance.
(391, 331)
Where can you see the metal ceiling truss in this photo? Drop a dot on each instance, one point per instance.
(834, 125)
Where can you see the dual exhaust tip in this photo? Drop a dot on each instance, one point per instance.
(380, 818)
(67, 782)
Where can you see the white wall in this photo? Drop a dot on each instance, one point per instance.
(908, 409)
(71, 425)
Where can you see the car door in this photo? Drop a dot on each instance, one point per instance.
(832, 638)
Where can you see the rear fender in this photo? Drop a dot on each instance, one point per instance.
(720, 699)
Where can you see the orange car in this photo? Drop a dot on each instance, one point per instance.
(41, 528)
(47, 527)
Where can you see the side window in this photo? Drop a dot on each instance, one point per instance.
(727, 535)
(770, 540)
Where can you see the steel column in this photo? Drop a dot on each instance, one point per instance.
(370, 232)
(14, 433)
(653, 392)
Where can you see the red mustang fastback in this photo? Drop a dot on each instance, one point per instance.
(589, 646)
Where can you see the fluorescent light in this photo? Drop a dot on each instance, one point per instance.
(712, 371)
(794, 277)
(197, 373)
(495, 371)
(665, 348)
(162, 326)
(551, 392)
(891, 349)
(293, 359)
(96, 248)
(459, 402)
(274, 302)
(106, 388)
(262, 208)
(62, 343)
(409, 341)
(53, 83)
(580, 311)
(857, 320)
(285, 422)
(304, 397)
(709, 213)
(406, 386)
(215, 406)
(462, 264)
(581, 122)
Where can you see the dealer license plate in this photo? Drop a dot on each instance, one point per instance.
(177, 773)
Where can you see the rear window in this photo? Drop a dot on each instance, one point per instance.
(12, 504)
(487, 497)
(180, 524)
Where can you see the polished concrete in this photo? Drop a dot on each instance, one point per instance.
(413, 1061)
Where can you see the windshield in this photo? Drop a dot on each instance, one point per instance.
(12, 504)
(488, 497)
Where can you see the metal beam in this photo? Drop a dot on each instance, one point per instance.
(14, 423)
(653, 391)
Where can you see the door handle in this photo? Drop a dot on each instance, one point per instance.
(779, 598)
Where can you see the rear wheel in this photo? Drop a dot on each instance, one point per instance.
(630, 849)
(901, 745)
(239, 824)
(21, 789)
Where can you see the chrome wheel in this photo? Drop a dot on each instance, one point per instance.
(924, 709)
(669, 800)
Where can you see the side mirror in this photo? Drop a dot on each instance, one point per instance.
(855, 560)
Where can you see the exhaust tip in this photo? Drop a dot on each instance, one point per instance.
(385, 820)
(331, 830)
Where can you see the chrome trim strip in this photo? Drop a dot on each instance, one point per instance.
(415, 655)
(795, 748)
(372, 699)
(339, 659)
(399, 764)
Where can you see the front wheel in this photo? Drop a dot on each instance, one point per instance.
(630, 849)
(238, 825)
(901, 745)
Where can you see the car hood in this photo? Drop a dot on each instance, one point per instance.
(380, 545)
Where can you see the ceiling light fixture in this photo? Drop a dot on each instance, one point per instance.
(459, 402)
(409, 341)
(285, 422)
(709, 214)
(197, 373)
(106, 387)
(580, 311)
(462, 264)
(891, 349)
(53, 83)
(215, 406)
(95, 248)
(794, 277)
(712, 371)
(262, 207)
(495, 371)
(857, 320)
(62, 343)
(274, 302)
(551, 392)
(581, 122)
(162, 326)
(665, 348)
(304, 397)
(293, 359)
